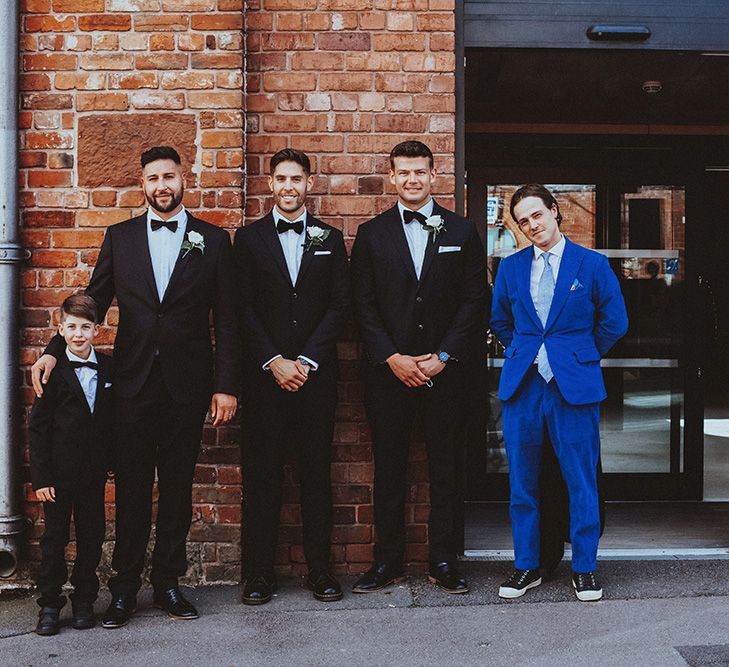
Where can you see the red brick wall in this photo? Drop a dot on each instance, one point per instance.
(343, 80)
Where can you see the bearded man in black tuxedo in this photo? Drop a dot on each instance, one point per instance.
(293, 281)
(421, 299)
(168, 271)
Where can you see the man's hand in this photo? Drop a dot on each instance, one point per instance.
(41, 371)
(222, 408)
(288, 374)
(303, 368)
(406, 369)
(431, 366)
(47, 494)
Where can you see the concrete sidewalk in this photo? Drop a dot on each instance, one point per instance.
(660, 613)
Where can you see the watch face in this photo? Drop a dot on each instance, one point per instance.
(444, 357)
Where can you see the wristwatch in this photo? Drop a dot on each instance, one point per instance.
(443, 357)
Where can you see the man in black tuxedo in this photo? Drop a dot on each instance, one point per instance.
(168, 271)
(420, 295)
(292, 275)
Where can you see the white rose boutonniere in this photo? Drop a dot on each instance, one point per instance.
(434, 225)
(315, 236)
(193, 241)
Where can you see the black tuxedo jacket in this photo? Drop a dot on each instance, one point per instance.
(280, 318)
(396, 312)
(69, 445)
(178, 328)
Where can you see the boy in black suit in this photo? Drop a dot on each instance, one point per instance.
(70, 430)
(421, 298)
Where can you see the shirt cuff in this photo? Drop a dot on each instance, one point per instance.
(311, 362)
(266, 366)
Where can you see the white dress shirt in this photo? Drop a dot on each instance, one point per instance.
(292, 245)
(164, 248)
(416, 235)
(555, 259)
(87, 377)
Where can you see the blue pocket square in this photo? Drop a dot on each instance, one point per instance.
(576, 285)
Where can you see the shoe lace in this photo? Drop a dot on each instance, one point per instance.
(587, 580)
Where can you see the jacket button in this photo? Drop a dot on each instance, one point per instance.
(159, 316)
(418, 298)
(295, 323)
(295, 295)
(420, 327)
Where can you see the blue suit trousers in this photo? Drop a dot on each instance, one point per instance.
(536, 410)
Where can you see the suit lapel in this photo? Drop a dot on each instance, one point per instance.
(523, 277)
(69, 375)
(267, 231)
(397, 236)
(182, 262)
(568, 267)
(307, 255)
(431, 248)
(141, 248)
(102, 375)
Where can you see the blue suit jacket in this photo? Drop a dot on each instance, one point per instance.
(586, 319)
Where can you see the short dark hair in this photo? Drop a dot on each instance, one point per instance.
(291, 155)
(534, 190)
(160, 153)
(410, 149)
(80, 305)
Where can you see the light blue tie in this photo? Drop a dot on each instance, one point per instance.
(545, 293)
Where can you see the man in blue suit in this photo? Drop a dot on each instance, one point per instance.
(557, 309)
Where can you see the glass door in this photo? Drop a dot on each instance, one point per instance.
(640, 225)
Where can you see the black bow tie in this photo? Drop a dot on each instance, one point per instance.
(408, 216)
(80, 364)
(170, 224)
(284, 226)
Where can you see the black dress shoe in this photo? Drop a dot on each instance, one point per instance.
(83, 615)
(446, 576)
(118, 613)
(47, 621)
(174, 603)
(378, 577)
(324, 586)
(259, 589)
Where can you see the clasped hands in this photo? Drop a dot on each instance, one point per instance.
(289, 374)
(415, 371)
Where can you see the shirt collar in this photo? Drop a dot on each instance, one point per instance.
(278, 216)
(426, 209)
(556, 250)
(73, 357)
(180, 217)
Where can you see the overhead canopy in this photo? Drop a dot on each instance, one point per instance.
(699, 25)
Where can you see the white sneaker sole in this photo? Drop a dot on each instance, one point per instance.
(587, 596)
(511, 593)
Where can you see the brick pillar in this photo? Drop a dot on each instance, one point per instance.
(345, 80)
(101, 80)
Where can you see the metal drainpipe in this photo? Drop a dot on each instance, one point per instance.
(12, 522)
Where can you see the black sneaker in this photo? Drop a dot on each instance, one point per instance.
(519, 583)
(47, 621)
(587, 587)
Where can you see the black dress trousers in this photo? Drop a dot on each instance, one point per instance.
(392, 409)
(278, 423)
(154, 433)
(86, 504)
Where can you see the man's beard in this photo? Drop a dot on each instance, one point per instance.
(175, 200)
